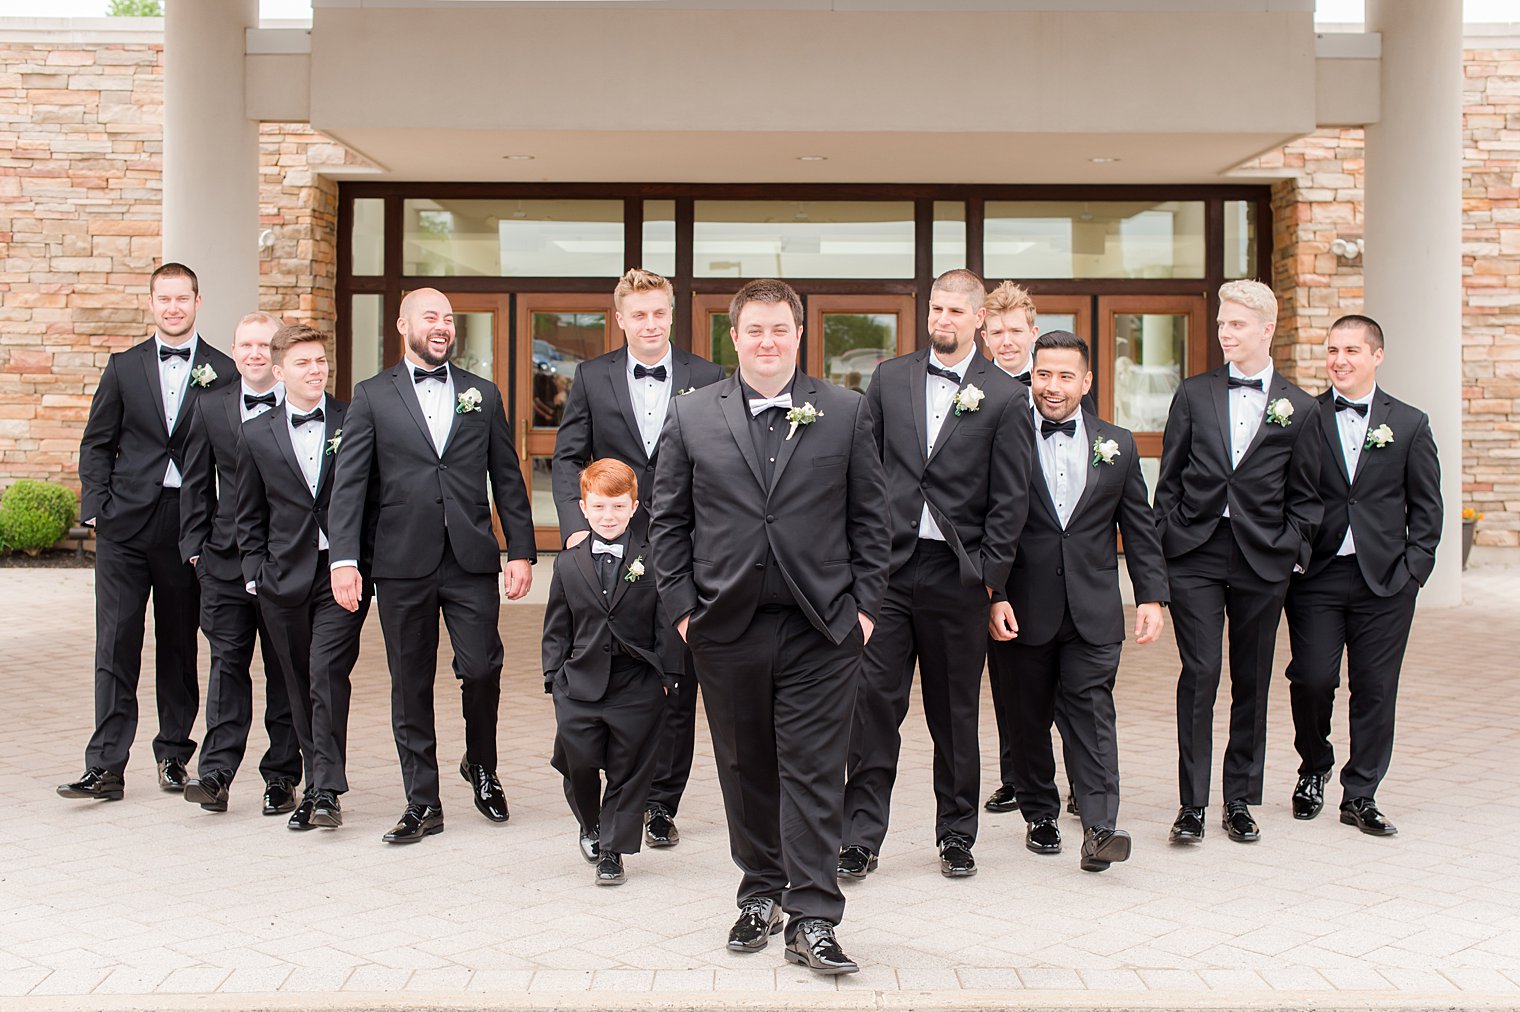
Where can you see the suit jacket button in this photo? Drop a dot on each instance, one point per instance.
(1066, 534)
(438, 500)
(1350, 502)
(606, 648)
(649, 467)
(770, 518)
(443, 467)
(759, 565)
(1060, 571)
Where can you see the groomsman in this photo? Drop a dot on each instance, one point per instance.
(229, 616)
(1011, 330)
(1062, 623)
(284, 485)
(770, 537)
(435, 440)
(616, 408)
(1237, 506)
(129, 472)
(1381, 485)
(953, 433)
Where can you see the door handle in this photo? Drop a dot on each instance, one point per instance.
(522, 438)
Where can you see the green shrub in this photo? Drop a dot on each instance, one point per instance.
(34, 515)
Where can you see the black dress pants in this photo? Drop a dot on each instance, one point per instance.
(677, 741)
(1001, 674)
(127, 573)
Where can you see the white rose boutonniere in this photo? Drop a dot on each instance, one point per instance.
(688, 390)
(968, 398)
(1378, 438)
(805, 415)
(203, 375)
(332, 444)
(1105, 451)
(468, 401)
(635, 570)
(1280, 412)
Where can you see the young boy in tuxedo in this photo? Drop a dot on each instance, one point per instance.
(609, 661)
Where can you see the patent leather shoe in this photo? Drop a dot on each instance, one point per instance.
(1189, 825)
(1102, 847)
(1043, 836)
(210, 791)
(1002, 800)
(326, 810)
(955, 860)
(590, 845)
(490, 799)
(279, 796)
(1239, 824)
(609, 869)
(815, 947)
(300, 819)
(416, 822)
(856, 862)
(97, 784)
(660, 827)
(1364, 815)
(172, 775)
(1309, 796)
(759, 919)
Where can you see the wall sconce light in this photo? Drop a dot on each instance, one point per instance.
(266, 241)
(1347, 249)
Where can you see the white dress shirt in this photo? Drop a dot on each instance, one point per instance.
(939, 402)
(310, 442)
(1247, 409)
(258, 409)
(651, 398)
(437, 401)
(173, 381)
(1352, 426)
(1064, 462)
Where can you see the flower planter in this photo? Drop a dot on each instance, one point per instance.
(1469, 527)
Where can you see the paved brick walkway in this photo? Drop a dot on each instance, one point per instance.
(150, 902)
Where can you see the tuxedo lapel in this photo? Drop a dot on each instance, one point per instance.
(1095, 428)
(1279, 390)
(1377, 415)
(1219, 387)
(1044, 498)
(333, 423)
(150, 368)
(918, 376)
(586, 565)
(637, 548)
(736, 413)
(1331, 427)
(280, 426)
(809, 390)
(680, 375)
(975, 376)
(200, 359)
(617, 375)
(232, 403)
(401, 377)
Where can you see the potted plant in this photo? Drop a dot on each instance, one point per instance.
(1470, 518)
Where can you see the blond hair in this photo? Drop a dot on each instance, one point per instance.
(1008, 297)
(636, 282)
(261, 317)
(1254, 295)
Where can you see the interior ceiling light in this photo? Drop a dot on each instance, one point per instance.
(1102, 160)
(812, 158)
(518, 158)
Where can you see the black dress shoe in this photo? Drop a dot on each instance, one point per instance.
(1309, 796)
(1102, 847)
(1239, 824)
(1189, 825)
(97, 784)
(590, 845)
(326, 810)
(1043, 836)
(660, 827)
(279, 796)
(210, 791)
(856, 862)
(759, 919)
(815, 947)
(955, 860)
(300, 819)
(1364, 815)
(172, 775)
(490, 799)
(609, 869)
(1002, 800)
(416, 822)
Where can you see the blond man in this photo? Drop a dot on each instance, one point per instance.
(1010, 329)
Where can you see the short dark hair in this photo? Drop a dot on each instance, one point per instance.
(174, 270)
(289, 336)
(1368, 324)
(1062, 339)
(963, 282)
(765, 290)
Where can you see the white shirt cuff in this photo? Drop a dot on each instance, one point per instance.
(343, 564)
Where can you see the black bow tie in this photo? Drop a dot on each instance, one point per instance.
(1023, 378)
(1341, 404)
(949, 374)
(165, 353)
(300, 420)
(441, 374)
(251, 401)
(1254, 384)
(658, 372)
(1049, 428)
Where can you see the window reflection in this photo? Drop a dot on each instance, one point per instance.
(366, 347)
(803, 239)
(1149, 352)
(854, 344)
(1093, 239)
(513, 238)
(474, 339)
(561, 341)
(722, 353)
(541, 494)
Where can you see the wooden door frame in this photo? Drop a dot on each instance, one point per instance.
(904, 307)
(701, 329)
(1194, 307)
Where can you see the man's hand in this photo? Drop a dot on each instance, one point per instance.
(1148, 622)
(347, 587)
(1001, 623)
(867, 627)
(517, 578)
(681, 627)
(576, 539)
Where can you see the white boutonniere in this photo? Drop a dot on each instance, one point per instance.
(332, 444)
(635, 570)
(968, 398)
(468, 401)
(1280, 412)
(1378, 438)
(805, 415)
(203, 375)
(688, 390)
(1104, 451)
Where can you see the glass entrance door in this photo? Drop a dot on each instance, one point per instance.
(480, 337)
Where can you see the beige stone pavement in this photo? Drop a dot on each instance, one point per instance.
(152, 903)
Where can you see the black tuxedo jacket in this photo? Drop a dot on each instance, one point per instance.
(126, 446)
(977, 481)
(1392, 503)
(581, 625)
(425, 498)
(1273, 494)
(824, 516)
(599, 422)
(278, 519)
(1077, 567)
(207, 497)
